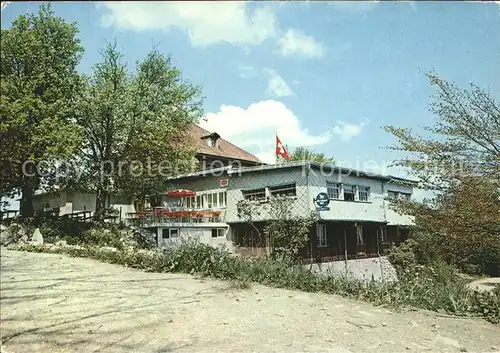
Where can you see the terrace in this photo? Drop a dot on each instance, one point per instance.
(189, 208)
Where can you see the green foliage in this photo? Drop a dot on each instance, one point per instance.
(102, 237)
(239, 285)
(428, 288)
(288, 233)
(39, 84)
(51, 232)
(460, 159)
(304, 154)
(403, 257)
(136, 125)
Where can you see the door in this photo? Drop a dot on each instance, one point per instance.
(321, 241)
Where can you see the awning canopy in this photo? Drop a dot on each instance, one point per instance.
(181, 193)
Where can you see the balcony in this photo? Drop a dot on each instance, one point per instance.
(159, 216)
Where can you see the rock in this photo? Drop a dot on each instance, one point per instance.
(37, 238)
(108, 249)
(384, 324)
(76, 247)
(62, 243)
(23, 239)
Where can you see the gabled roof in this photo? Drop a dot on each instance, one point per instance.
(223, 149)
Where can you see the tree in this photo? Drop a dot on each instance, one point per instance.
(460, 159)
(287, 233)
(135, 126)
(39, 81)
(304, 154)
(465, 140)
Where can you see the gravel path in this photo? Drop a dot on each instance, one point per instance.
(53, 303)
(485, 284)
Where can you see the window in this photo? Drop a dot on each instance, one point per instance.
(398, 195)
(383, 236)
(222, 199)
(333, 190)
(363, 193)
(359, 235)
(168, 233)
(392, 194)
(404, 195)
(218, 232)
(283, 190)
(255, 194)
(321, 240)
(349, 193)
(199, 201)
(210, 203)
(189, 202)
(211, 142)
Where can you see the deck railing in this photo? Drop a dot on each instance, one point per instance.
(162, 215)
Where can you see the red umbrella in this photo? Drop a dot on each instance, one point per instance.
(181, 193)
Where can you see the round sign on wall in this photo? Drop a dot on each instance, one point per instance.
(322, 199)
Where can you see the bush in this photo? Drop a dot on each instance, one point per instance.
(435, 288)
(403, 257)
(102, 236)
(51, 232)
(13, 234)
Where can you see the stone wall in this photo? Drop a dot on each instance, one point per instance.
(363, 269)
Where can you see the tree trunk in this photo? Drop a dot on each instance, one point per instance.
(100, 204)
(26, 204)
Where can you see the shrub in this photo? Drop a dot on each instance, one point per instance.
(101, 236)
(403, 257)
(51, 232)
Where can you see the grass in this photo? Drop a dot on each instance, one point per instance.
(434, 289)
(239, 285)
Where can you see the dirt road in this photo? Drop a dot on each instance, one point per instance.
(54, 303)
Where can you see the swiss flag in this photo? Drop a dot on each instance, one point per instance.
(280, 149)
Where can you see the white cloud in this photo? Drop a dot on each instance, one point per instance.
(267, 157)
(346, 131)
(254, 128)
(206, 23)
(296, 42)
(276, 84)
(209, 23)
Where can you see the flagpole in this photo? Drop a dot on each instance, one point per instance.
(275, 146)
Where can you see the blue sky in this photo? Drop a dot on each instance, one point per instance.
(325, 75)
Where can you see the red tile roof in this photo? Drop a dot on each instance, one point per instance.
(223, 148)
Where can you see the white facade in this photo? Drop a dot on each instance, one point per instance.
(221, 190)
(69, 201)
(215, 234)
(373, 206)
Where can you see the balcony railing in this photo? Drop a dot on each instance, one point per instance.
(162, 215)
